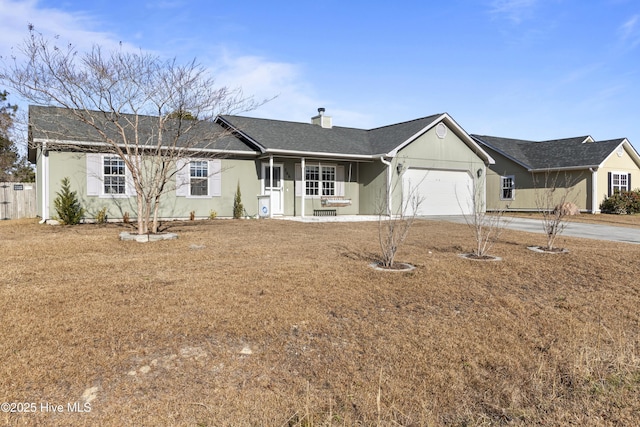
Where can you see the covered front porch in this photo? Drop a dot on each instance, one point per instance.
(304, 187)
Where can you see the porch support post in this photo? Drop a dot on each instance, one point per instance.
(271, 186)
(303, 184)
(595, 209)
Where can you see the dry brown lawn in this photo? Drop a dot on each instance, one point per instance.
(277, 323)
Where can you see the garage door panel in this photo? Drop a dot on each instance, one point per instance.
(441, 192)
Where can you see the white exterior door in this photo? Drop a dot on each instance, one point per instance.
(274, 188)
(441, 192)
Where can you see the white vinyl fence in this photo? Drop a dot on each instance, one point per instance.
(17, 200)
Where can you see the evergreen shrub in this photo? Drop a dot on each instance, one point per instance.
(67, 204)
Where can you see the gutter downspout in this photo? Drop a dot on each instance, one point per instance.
(389, 176)
(303, 185)
(594, 191)
(45, 183)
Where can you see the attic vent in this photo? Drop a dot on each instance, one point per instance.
(441, 130)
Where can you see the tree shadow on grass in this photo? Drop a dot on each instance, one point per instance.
(357, 255)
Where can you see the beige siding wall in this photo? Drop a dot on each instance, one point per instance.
(524, 193)
(248, 173)
(372, 184)
(615, 163)
(73, 166)
(574, 186)
(234, 172)
(431, 152)
(581, 194)
(529, 187)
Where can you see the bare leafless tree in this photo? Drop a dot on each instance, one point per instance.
(148, 111)
(485, 226)
(394, 225)
(552, 194)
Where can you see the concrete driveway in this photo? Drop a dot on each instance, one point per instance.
(573, 229)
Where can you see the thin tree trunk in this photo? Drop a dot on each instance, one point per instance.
(141, 223)
(156, 208)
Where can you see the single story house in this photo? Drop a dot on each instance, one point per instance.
(592, 169)
(304, 169)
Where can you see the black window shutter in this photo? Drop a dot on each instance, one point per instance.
(629, 182)
(609, 184)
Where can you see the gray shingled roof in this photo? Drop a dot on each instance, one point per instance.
(60, 124)
(54, 123)
(301, 137)
(387, 138)
(552, 154)
(306, 137)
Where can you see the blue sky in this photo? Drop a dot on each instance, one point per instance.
(530, 69)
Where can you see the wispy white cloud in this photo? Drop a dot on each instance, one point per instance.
(292, 98)
(581, 73)
(629, 27)
(257, 76)
(629, 32)
(515, 11)
(74, 28)
(295, 98)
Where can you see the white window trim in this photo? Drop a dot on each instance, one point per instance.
(513, 187)
(95, 178)
(183, 178)
(620, 174)
(320, 180)
(104, 194)
(200, 196)
(340, 181)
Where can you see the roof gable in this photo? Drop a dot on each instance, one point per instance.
(625, 145)
(568, 153)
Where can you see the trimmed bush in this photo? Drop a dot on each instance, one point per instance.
(101, 216)
(622, 203)
(238, 209)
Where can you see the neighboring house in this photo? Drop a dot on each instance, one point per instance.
(595, 169)
(306, 168)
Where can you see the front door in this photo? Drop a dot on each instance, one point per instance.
(273, 188)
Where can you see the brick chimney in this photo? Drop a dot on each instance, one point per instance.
(321, 120)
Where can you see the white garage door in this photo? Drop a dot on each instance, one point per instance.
(441, 192)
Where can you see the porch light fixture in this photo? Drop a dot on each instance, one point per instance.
(400, 168)
(479, 173)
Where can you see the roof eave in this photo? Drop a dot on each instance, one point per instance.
(564, 168)
(502, 153)
(261, 147)
(72, 143)
(298, 153)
